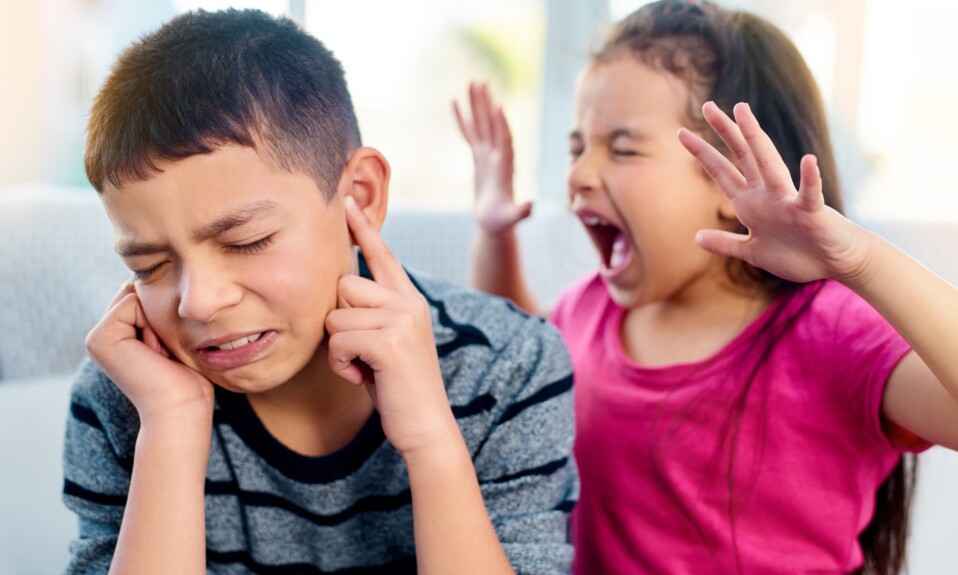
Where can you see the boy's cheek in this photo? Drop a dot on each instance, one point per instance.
(157, 309)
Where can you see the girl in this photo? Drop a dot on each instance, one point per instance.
(742, 407)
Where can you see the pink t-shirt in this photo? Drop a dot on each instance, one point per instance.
(652, 444)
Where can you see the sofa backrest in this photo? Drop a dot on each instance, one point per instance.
(58, 270)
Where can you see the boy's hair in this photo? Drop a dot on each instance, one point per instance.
(732, 56)
(208, 79)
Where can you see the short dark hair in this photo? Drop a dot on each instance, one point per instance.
(208, 79)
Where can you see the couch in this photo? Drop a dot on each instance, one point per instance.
(58, 272)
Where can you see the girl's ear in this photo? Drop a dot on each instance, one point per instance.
(366, 178)
(726, 212)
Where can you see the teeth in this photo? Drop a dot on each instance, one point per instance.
(594, 221)
(239, 342)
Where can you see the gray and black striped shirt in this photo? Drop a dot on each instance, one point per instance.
(271, 510)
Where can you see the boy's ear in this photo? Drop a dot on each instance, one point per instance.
(366, 179)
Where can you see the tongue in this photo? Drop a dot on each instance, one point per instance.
(620, 251)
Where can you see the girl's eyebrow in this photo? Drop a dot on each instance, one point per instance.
(241, 216)
(627, 133)
(614, 134)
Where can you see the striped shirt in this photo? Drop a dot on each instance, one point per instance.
(272, 510)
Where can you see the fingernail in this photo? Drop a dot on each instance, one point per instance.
(351, 203)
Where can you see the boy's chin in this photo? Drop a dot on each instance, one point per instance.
(250, 379)
(245, 385)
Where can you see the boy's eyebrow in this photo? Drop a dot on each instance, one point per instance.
(238, 217)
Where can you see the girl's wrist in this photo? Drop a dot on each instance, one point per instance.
(859, 271)
(497, 237)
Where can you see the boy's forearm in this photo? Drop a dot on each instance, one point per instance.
(496, 268)
(164, 524)
(452, 527)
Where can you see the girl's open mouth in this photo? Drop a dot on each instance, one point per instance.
(615, 249)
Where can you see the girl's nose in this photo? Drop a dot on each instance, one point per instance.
(583, 175)
(204, 292)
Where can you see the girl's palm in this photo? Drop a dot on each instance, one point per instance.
(490, 140)
(791, 233)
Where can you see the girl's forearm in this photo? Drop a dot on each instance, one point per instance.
(164, 524)
(919, 304)
(496, 268)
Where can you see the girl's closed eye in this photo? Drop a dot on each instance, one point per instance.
(622, 152)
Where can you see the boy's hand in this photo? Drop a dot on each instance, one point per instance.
(381, 336)
(490, 139)
(125, 346)
(791, 233)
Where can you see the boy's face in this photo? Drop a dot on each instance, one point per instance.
(236, 263)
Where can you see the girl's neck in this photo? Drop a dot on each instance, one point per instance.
(682, 330)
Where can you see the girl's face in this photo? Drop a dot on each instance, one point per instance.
(639, 193)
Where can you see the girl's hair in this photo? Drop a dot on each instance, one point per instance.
(728, 57)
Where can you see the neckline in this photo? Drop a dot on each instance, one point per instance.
(672, 372)
(235, 411)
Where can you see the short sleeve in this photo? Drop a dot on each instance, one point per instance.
(868, 349)
(97, 464)
(524, 464)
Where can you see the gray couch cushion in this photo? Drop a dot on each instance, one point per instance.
(58, 272)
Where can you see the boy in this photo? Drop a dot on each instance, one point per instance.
(286, 414)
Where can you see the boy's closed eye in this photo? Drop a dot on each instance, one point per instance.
(251, 247)
(144, 273)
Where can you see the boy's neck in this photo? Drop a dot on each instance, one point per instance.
(316, 412)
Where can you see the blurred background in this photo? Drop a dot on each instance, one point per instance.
(882, 65)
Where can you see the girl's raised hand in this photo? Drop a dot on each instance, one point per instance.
(791, 233)
(490, 140)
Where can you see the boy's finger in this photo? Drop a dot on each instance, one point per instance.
(124, 291)
(773, 170)
(731, 134)
(351, 355)
(355, 291)
(357, 318)
(381, 261)
(717, 166)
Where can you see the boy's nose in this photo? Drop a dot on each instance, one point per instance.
(204, 292)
